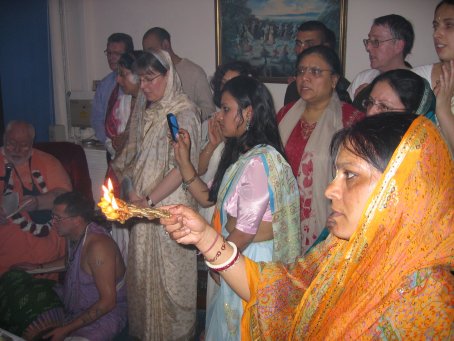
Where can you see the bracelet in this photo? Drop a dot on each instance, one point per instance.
(217, 253)
(228, 263)
(149, 201)
(207, 151)
(186, 184)
(214, 242)
(228, 266)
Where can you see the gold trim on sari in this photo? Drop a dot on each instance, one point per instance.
(391, 279)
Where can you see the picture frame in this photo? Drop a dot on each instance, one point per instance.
(263, 32)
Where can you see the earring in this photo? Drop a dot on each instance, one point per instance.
(248, 123)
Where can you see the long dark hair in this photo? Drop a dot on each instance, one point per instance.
(263, 129)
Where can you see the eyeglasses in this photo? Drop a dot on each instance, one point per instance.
(313, 71)
(148, 78)
(12, 145)
(112, 53)
(57, 218)
(304, 43)
(370, 102)
(375, 42)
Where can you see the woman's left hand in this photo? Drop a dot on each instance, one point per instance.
(182, 148)
(137, 200)
(444, 87)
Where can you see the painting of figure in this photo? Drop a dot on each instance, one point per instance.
(263, 32)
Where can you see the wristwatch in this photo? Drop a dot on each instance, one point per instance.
(149, 201)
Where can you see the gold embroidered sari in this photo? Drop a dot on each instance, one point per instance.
(391, 280)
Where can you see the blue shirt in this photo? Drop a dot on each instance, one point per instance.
(99, 107)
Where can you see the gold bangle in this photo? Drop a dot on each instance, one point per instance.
(186, 184)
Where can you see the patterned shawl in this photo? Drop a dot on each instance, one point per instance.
(347, 289)
(146, 156)
(284, 199)
(316, 154)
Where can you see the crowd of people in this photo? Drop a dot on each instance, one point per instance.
(331, 218)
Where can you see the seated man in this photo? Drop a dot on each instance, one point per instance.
(93, 293)
(31, 180)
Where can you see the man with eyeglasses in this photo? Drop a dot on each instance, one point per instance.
(94, 291)
(29, 180)
(312, 33)
(389, 42)
(117, 44)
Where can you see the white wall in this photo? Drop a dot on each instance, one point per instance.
(191, 24)
(360, 16)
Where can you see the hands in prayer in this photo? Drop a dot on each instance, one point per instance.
(444, 87)
(215, 136)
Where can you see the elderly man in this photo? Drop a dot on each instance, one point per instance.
(117, 44)
(389, 42)
(193, 77)
(31, 181)
(313, 33)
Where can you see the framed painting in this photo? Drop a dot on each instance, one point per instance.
(263, 32)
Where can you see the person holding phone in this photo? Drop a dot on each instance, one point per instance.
(254, 190)
(162, 275)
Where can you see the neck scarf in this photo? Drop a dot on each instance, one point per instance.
(24, 221)
(284, 200)
(427, 104)
(316, 154)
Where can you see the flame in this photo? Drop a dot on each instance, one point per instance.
(114, 204)
(116, 209)
(109, 185)
(106, 193)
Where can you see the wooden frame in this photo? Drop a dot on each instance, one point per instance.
(263, 32)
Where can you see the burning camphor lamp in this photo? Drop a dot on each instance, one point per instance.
(116, 209)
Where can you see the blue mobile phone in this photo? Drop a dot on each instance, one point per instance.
(173, 125)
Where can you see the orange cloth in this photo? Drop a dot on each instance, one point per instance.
(216, 221)
(18, 246)
(391, 280)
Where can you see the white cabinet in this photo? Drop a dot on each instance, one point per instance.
(97, 166)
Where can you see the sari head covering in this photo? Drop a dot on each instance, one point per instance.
(370, 286)
(427, 104)
(143, 153)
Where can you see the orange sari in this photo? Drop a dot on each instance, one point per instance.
(391, 280)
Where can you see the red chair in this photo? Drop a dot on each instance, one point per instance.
(72, 157)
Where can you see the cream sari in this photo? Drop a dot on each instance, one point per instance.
(161, 274)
